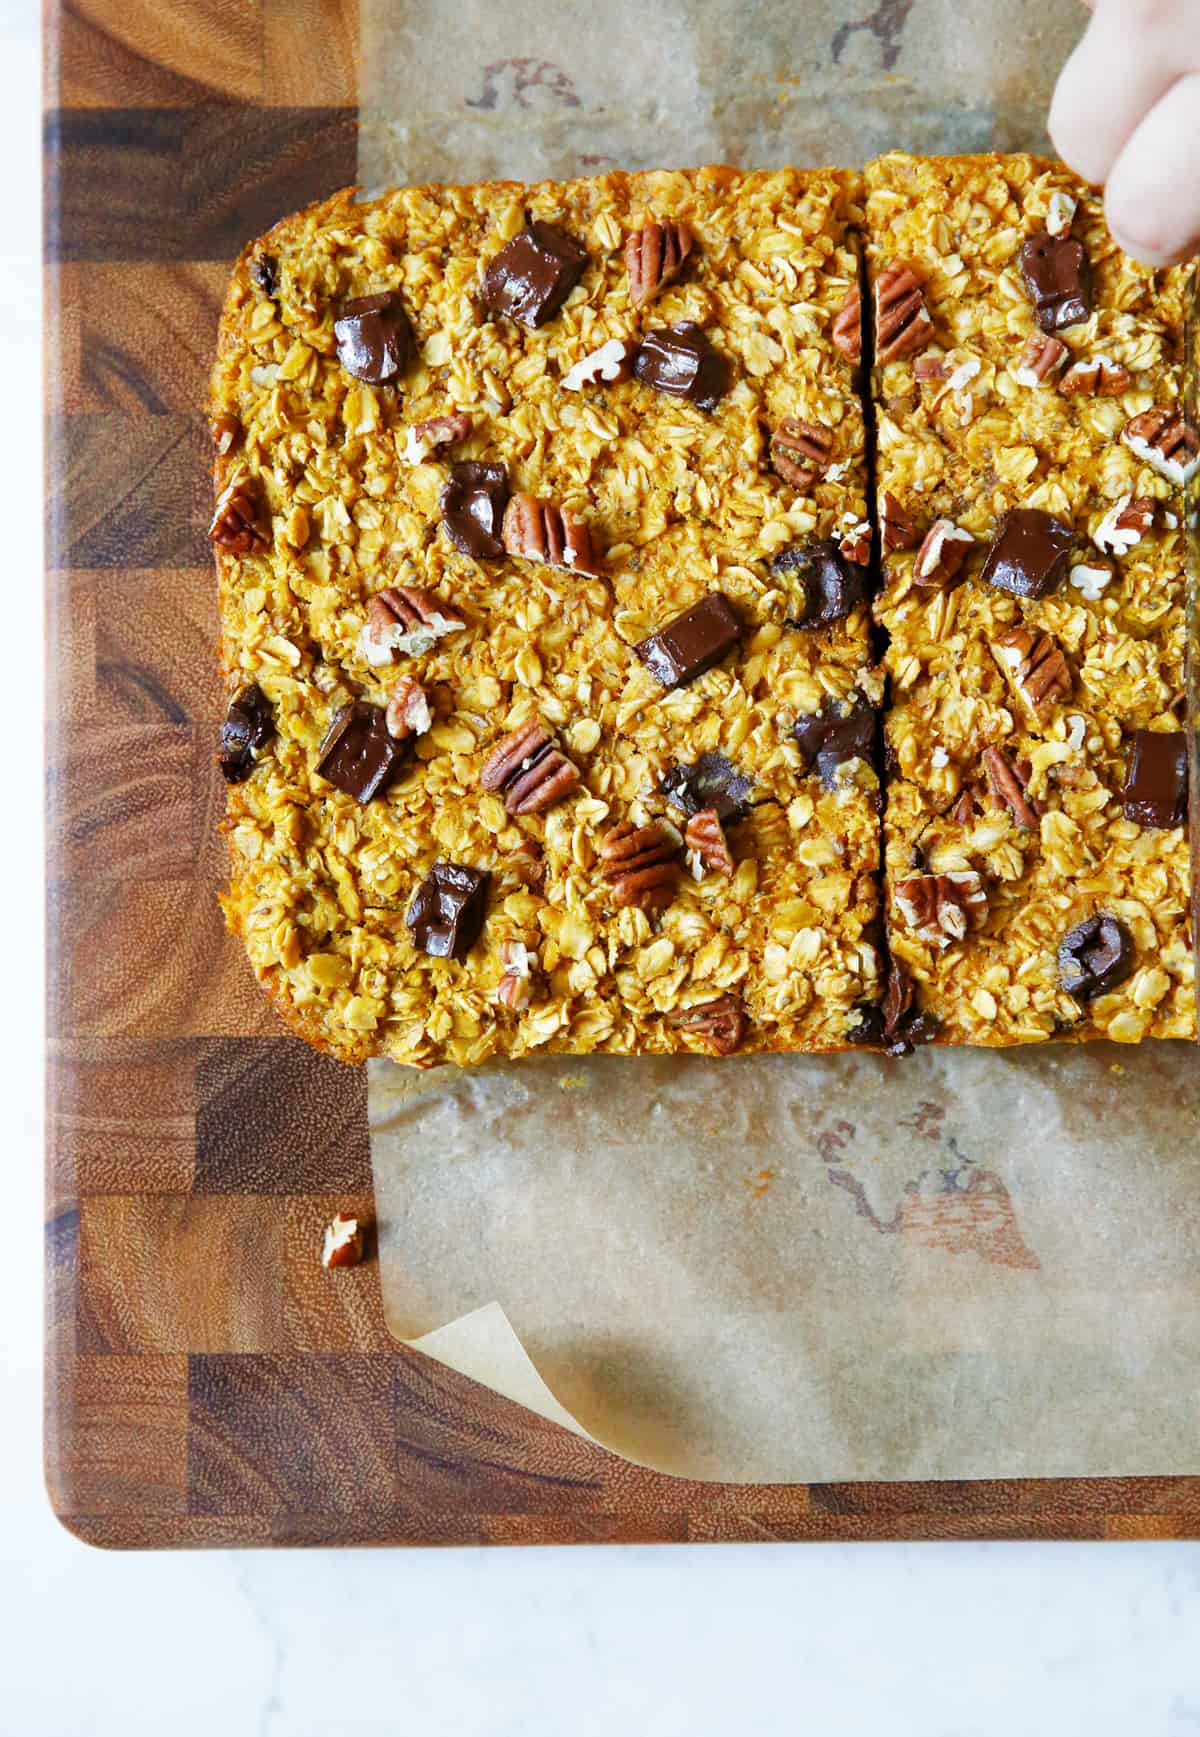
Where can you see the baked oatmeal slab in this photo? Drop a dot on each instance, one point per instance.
(1031, 451)
(542, 548)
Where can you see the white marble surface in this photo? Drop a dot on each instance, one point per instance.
(855, 1641)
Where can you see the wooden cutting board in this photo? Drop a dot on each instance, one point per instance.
(206, 1382)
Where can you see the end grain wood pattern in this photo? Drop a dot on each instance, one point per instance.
(207, 1382)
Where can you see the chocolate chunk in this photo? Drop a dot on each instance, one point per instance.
(448, 909)
(359, 755)
(473, 503)
(1028, 553)
(894, 1025)
(832, 586)
(680, 361)
(913, 1029)
(842, 730)
(868, 1032)
(374, 339)
(1058, 280)
(1156, 782)
(534, 273)
(1095, 956)
(264, 273)
(713, 782)
(693, 642)
(247, 729)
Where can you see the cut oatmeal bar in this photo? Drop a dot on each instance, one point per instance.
(1031, 447)
(542, 538)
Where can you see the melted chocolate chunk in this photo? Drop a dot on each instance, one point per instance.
(712, 782)
(1028, 553)
(473, 503)
(374, 339)
(358, 754)
(534, 273)
(832, 586)
(448, 909)
(1058, 280)
(1095, 956)
(693, 642)
(842, 730)
(894, 1025)
(680, 361)
(264, 273)
(247, 729)
(1156, 782)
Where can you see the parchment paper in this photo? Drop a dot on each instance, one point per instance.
(783, 1268)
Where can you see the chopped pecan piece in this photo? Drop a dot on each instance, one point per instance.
(930, 367)
(515, 988)
(706, 844)
(896, 529)
(1060, 213)
(530, 768)
(540, 531)
(940, 558)
(642, 863)
(941, 908)
(435, 433)
(855, 540)
(1164, 438)
(342, 1245)
(1097, 377)
(963, 812)
(902, 322)
(237, 523)
(1123, 528)
(226, 431)
(654, 257)
(720, 1023)
(612, 362)
(800, 452)
(1038, 667)
(1010, 783)
(405, 619)
(846, 331)
(408, 711)
(1038, 360)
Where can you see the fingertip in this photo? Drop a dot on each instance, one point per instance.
(1152, 209)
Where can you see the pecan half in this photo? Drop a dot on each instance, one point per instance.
(896, 529)
(434, 433)
(1165, 438)
(540, 531)
(654, 257)
(226, 431)
(1010, 783)
(530, 768)
(1097, 377)
(846, 330)
(1124, 526)
(721, 1024)
(612, 362)
(408, 711)
(938, 566)
(1038, 360)
(642, 864)
(405, 619)
(237, 523)
(706, 843)
(800, 452)
(902, 322)
(941, 908)
(1038, 667)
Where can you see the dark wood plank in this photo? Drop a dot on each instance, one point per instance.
(127, 491)
(128, 1446)
(275, 1118)
(186, 184)
(306, 1434)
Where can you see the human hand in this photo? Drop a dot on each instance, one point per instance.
(1126, 111)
